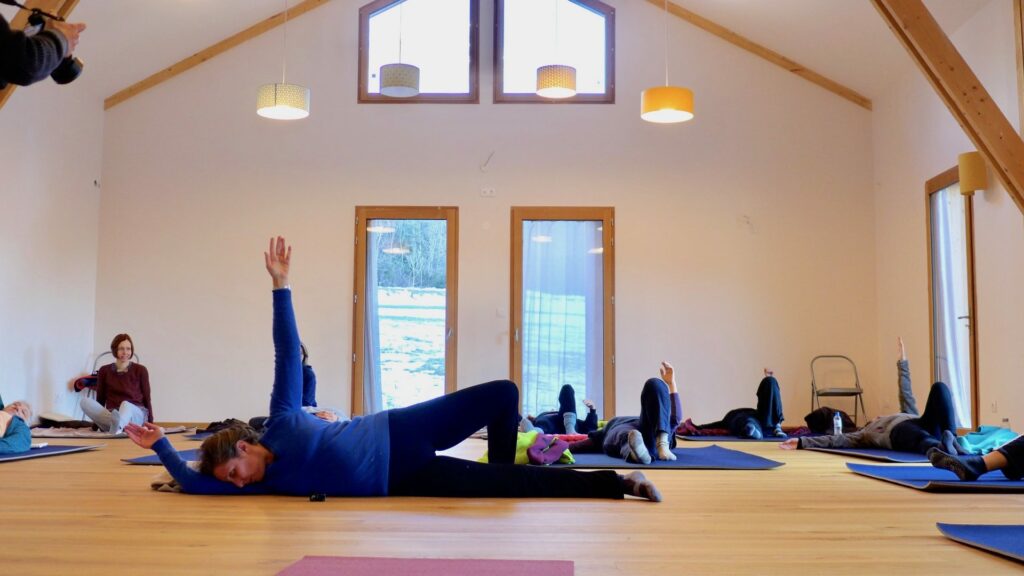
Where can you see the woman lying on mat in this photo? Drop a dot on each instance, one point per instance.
(906, 431)
(15, 435)
(122, 391)
(564, 420)
(1009, 458)
(635, 438)
(387, 453)
(757, 423)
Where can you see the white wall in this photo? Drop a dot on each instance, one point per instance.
(744, 238)
(916, 138)
(49, 157)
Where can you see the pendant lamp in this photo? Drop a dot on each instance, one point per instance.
(283, 101)
(399, 80)
(556, 81)
(666, 104)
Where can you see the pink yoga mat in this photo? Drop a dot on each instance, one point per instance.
(319, 565)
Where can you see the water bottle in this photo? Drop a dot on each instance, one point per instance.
(837, 423)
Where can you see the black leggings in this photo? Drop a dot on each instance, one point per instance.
(1014, 452)
(765, 418)
(419, 431)
(922, 433)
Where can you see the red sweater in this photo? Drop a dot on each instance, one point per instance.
(113, 387)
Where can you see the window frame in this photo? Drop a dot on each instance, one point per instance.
(932, 186)
(607, 216)
(449, 214)
(365, 97)
(500, 97)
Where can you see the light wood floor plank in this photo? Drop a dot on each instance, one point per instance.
(89, 513)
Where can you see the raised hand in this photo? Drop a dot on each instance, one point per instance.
(668, 374)
(588, 403)
(903, 349)
(146, 435)
(278, 260)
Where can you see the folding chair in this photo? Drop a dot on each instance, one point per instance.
(834, 375)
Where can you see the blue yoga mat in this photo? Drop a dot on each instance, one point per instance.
(728, 439)
(199, 436)
(51, 450)
(876, 454)
(931, 479)
(708, 458)
(154, 460)
(1003, 540)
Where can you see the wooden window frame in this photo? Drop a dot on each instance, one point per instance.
(450, 214)
(500, 97)
(365, 97)
(933, 185)
(607, 216)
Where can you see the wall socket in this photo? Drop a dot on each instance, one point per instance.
(488, 192)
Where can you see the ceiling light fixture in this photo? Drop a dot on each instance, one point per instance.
(399, 80)
(556, 81)
(666, 104)
(283, 101)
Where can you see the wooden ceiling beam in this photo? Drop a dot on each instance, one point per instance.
(60, 8)
(961, 91)
(765, 53)
(212, 51)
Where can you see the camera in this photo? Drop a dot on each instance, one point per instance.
(71, 66)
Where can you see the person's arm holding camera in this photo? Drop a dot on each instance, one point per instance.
(27, 59)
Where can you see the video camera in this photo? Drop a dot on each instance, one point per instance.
(71, 66)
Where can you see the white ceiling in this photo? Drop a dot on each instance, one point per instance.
(846, 40)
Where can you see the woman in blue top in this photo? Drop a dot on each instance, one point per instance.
(300, 454)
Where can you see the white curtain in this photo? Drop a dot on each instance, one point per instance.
(563, 313)
(952, 323)
(372, 401)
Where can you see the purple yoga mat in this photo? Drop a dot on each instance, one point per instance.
(358, 566)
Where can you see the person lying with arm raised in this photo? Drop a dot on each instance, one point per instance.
(300, 454)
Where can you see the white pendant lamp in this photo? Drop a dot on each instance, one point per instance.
(283, 101)
(399, 80)
(556, 81)
(666, 104)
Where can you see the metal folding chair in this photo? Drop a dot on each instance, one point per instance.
(834, 375)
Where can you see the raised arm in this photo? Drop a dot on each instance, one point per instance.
(908, 404)
(287, 393)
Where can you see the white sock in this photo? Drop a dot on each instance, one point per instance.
(569, 419)
(664, 451)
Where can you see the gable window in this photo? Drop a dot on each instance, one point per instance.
(529, 34)
(440, 37)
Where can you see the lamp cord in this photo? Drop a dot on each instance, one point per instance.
(665, 19)
(284, 55)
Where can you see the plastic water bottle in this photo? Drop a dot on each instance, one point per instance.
(837, 424)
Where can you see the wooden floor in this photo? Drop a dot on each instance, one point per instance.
(89, 513)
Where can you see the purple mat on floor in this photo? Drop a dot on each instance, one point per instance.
(876, 454)
(154, 460)
(1003, 540)
(932, 479)
(707, 458)
(51, 450)
(358, 566)
(729, 438)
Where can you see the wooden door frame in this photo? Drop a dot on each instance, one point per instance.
(366, 213)
(605, 215)
(941, 182)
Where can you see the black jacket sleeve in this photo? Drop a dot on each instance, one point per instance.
(27, 59)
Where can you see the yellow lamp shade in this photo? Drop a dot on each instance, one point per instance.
(556, 81)
(399, 80)
(666, 104)
(283, 101)
(972, 172)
